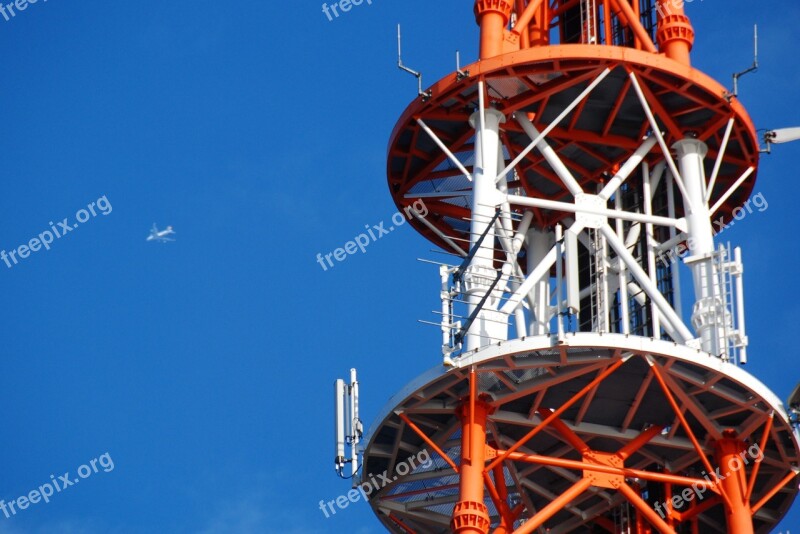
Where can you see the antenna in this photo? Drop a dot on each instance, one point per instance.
(753, 67)
(424, 94)
(779, 136)
(348, 426)
(460, 74)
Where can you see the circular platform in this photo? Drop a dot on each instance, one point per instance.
(601, 133)
(525, 378)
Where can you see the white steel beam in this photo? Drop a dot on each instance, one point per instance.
(557, 120)
(681, 330)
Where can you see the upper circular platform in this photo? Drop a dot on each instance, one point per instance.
(523, 377)
(600, 134)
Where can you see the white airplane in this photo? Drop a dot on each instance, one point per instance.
(160, 235)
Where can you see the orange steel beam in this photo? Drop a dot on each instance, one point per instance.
(524, 39)
(639, 441)
(553, 87)
(565, 6)
(554, 507)
(609, 40)
(539, 30)
(454, 146)
(757, 506)
(692, 513)
(470, 515)
(671, 512)
(602, 376)
(738, 515)
(763, 443)
(526, 16)
(502, 490)
(579, 465)
(428, 440)
(506, 517)
(572, 438)
(466, 453)
(633, 23)
(617, 105)
(402, 525)
(659, 110)
(645, 509)
(684, 422)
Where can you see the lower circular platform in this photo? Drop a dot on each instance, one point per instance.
(525, 378)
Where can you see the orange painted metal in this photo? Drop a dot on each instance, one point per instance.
(554, 507)
(397, 521)
(645, 509)
(636, 27)
(762, 444)
(428, 440)
(492, 16)
(610, 369)
(610, 470)
(738, 515)
(757, 506)
(679, 414)
(470, 515)
(675, 34)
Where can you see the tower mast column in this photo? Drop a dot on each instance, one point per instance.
(738, 513)
(470, 515)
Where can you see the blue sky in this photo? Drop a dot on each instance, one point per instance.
(258, 129)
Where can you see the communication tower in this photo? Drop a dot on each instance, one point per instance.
(574, 173)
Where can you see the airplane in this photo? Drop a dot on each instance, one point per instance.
(160, 235)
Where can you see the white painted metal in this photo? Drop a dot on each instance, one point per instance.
(550, 155)
(662, 143)
(718, 163)
(682, 332)
(539, 246)
(339, 399)
(784, 135)
(623, 275)
(708, 313)
(495, 289)
(355, 424)
(555, 123)
(480, 274)
(740, 324)
(647, 204)
(588, 209)
(444, 148)
(633, 162)
(348, 427)
(572, 281)
(675, 270)
(560, 281)
(732, 189)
